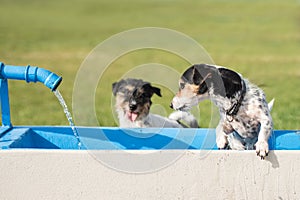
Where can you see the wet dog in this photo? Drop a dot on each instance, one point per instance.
(133, 102)
(245, 119)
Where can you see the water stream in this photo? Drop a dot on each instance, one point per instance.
(68, 115)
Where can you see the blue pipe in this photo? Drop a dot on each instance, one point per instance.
(30, 74)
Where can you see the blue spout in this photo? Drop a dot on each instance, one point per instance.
(30, 74)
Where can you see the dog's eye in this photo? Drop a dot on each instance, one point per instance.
(181, 86)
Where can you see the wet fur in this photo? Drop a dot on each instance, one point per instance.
(133, 97)
(250, 127)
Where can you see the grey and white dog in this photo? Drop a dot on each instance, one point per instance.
(245, 119)
(133, 102)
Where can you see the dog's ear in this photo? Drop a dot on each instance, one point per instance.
(196, 76)
(156, 91)
(115, 88)
(201, 79)
(203, 88)
(232, 81)
(151, 89)
(228, 74)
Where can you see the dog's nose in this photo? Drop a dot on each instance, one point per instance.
(171, 105)
(132, 107)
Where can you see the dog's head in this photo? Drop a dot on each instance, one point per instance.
(201, 81)
(133, 96)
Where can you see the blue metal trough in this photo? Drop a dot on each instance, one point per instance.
(53, 137)
(111, 138)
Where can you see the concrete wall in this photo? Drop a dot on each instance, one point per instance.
(68, 174)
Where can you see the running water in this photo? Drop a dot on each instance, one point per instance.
(68, 115)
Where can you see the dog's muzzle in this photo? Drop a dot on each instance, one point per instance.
(175, 104)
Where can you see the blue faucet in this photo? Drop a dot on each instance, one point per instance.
(29, 74)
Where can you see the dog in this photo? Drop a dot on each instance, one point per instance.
(245, 119)
(133, 102)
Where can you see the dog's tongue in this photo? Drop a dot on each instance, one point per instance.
(132, 116)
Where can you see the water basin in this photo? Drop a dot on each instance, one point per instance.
(113, 138)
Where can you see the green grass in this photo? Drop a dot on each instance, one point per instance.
(260, 39)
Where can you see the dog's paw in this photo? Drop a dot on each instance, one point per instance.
(262, 149)
(176, 115)
(222, 142)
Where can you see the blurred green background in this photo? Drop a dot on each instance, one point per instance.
(259, 39)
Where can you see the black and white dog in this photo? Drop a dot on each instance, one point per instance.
(133, 102)
(245, 120)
